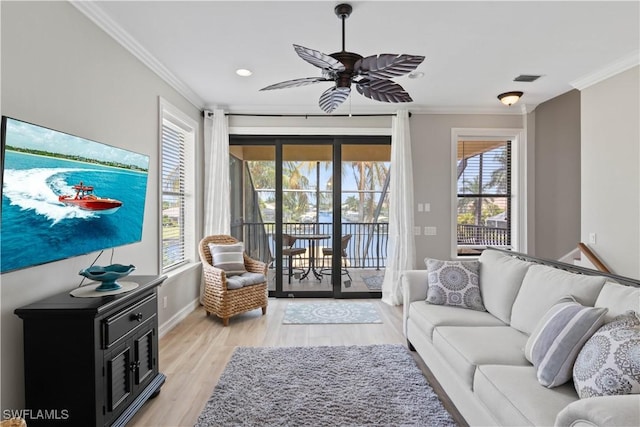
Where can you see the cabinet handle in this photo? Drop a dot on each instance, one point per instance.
(137, 317)
(134, 365)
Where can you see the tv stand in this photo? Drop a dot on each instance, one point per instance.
(91, 361)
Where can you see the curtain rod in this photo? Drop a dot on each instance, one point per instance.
(210, 113)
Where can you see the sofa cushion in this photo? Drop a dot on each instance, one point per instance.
(228, 257)
(514, 396)
(466, 347)
(618, 299)
(543, 286)
(560, 334)
(429, 316)
(454, 283)
(500, 280)
(609, 363)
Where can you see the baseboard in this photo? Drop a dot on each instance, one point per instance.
(178, 317)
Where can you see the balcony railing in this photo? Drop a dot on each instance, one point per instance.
(479, 235)
(367, 247)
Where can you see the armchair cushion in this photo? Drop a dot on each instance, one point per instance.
(228, 257)
(245, 279)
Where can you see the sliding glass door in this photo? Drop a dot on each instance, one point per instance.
(315, 210)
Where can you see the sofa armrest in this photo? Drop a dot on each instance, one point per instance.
(414, 285)
(414, 288)
(609, 411)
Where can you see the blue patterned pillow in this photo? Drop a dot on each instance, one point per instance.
(454, 283)
(609, 363)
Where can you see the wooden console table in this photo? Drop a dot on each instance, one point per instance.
(91, 361)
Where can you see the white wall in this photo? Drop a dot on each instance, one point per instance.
(610, 207)
(61, 71)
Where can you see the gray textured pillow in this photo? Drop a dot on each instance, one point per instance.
(229, 258)
(555, 342)
(454, 283)
(609, 363)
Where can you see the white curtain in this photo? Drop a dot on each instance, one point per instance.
(401, 246)
(217, 206)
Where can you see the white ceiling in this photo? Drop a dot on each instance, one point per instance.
(473, 49)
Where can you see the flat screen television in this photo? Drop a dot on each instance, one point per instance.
(64, 196)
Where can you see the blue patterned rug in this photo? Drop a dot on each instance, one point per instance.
(303, 313)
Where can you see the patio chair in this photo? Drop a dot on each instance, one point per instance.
(328, 252)
(289, 251)
(228, 290)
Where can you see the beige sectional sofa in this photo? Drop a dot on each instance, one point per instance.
(478, 356)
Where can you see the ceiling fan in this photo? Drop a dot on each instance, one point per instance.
(371, 74)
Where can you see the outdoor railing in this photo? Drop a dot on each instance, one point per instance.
(482, 235)
(367, 247)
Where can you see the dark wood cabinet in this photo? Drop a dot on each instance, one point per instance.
(91, 361)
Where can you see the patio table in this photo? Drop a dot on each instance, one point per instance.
(313, 243)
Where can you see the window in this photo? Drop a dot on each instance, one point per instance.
(486, 211)
(177, 136)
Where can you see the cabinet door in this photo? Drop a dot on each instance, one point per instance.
(145, 356)
(119, 375)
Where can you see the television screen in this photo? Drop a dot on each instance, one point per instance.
(64, 196)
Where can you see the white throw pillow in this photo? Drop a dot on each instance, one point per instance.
(609, 363)
(228, 257)
(454, 283)
(555, 342)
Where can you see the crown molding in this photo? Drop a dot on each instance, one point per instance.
(606, 72)
(92, 11)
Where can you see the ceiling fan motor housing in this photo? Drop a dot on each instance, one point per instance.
(348, 59)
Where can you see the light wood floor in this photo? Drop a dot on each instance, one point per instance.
(194, 354)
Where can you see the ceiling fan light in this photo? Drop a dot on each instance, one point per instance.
(510, 98)
(243, 72)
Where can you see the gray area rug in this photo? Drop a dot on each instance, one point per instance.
(305, 313)
(374, 283)
(323, 386)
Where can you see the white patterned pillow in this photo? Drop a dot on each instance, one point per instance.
(558, 337)
(454, 283)
(609, 363)
(229, 257)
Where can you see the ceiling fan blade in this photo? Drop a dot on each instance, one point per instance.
(387, 65)
(296, 83)
(318, 59)
(383, 90)
(333, 97)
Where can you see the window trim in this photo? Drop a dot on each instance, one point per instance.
(518, 181)
(167, 111)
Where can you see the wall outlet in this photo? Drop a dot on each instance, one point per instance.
(592, 238)
(164, 302)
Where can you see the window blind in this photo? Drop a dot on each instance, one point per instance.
(173, 196)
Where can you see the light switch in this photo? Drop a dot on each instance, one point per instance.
(427, 207)
(430, 231)
(416, 230)
(420, 207)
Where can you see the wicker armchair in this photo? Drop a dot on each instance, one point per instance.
(223, 302)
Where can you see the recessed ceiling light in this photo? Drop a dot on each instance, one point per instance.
(243, 72)
(416, 75)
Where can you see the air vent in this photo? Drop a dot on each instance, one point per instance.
(526, 78)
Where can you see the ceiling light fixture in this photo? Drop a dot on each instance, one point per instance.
(510, 98)
(243, 72)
